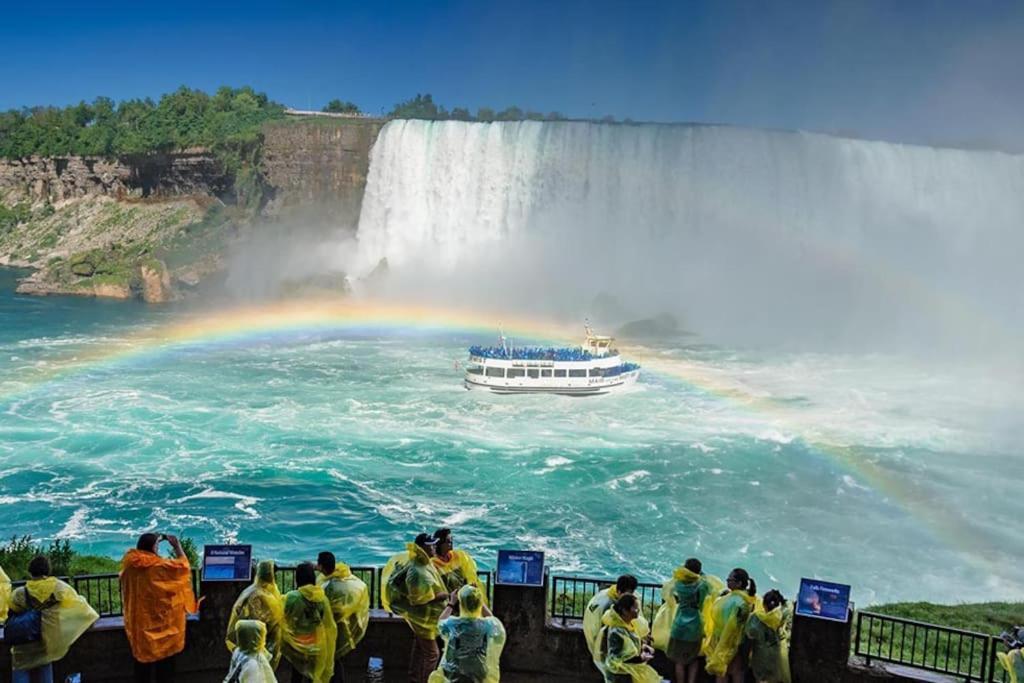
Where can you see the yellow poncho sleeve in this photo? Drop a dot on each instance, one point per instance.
(729, 618)
(1013, 662)
(5, 594)
(592, 615)
(620, 643)
(663, 618)
(350, 604)
(411, 585)
(263, 602)
(310, 633)
(64, 621)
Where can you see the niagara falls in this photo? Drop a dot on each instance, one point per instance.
(697, 317)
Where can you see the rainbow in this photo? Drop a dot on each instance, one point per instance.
(285, 321)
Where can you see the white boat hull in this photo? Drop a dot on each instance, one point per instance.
(596, 386)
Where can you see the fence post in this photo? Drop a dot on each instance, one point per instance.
(819, 649)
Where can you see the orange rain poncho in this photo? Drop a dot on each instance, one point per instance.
(350, 603)
(157, 595)
(263, 602)
(410, 586)
(66, 616)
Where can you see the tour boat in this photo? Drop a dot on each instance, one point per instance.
(592, 369)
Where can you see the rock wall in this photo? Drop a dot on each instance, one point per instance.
(56, 179)
(316, 161)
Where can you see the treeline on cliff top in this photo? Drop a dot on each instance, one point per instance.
(227, 122)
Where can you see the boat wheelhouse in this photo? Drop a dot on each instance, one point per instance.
(592, 369)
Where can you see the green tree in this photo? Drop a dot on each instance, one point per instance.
(419, 107)
(510, 114)
(485, 114)
(339, 107)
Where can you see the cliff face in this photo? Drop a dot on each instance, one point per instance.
(147, 226)
(39, 179)
(318, 162)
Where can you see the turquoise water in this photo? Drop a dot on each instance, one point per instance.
(867, 469)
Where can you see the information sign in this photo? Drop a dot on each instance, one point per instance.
(227, 562)
(823, 600)
(520, 568)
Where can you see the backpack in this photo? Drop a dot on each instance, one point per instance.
(26, 627)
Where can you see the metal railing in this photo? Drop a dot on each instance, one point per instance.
(570, 595)
(965, 655)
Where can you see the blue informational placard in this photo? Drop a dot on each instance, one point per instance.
(823, 600)
(520, 568)
(227, 563)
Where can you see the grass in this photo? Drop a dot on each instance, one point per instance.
(986, 617)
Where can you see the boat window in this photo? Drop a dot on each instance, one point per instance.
(577, 373)
(533, 372)
(495, 372)
(545, 373)
(475, 369)
(515, 372)
(596, 372)
(559, 373)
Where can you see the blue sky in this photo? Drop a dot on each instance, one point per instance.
(915, 70)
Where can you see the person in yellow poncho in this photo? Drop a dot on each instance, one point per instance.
(350, 605)
(599, 604)
(263, 602)
(65, 615)
(680, 625)
(250, 661)
(1013, 660)
(764, 632)
(473, 641)
(412, 588)
(156, 595)
(310, 633)
(625, 656)
(728, 619)
(456, 567)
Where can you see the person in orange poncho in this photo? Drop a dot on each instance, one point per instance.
(156, 594)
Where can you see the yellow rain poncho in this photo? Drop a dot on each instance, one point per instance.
(261, 601)
(1013, 662)
(472, 643)
(458, 570)
(250, 661)
(310, 633)
(592, 624)
(66, 616)
(728, 619)
(620, 643)
(350, 604)
(765, 633)
(5, 594)
(410, 586)
(157, 595)
(693, 623)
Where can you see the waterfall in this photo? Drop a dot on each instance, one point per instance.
(776, 227)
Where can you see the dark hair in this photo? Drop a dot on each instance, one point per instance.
(305, 575)
(39, 566)
(741, 577)
(147, 542)
(694, 565)
(626, 583)
(772, 599)
(625, 602)
(443, 534)
(327, 562)
(423, 540)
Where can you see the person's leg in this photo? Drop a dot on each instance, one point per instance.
(44, 674)
(693, 669)
(143, 672)
(414, 660)
(21, 676)
(297, 677)
(339, 672)
(680, 671)
(164, 670)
